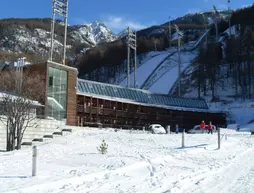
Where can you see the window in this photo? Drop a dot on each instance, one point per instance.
(51, 81)
(57, 93)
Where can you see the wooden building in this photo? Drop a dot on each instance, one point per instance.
(82, 102)
(120, 107)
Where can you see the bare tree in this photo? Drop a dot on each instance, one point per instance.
(19, 99)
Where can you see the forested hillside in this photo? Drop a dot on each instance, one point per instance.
(110, 56)
(223, 71)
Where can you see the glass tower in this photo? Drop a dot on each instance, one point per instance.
(57, 93)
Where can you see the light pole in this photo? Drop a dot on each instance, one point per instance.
(59, 7)
(19, 74)
(131, 44)
(229, 20)
(169, 32)
(179, 59)
(216, 21)
(205, 29)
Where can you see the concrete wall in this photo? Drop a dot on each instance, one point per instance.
(2, 136)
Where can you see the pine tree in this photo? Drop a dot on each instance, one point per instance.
(103, 149)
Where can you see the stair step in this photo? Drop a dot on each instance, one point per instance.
(48, 136)
(46, 139)
(67, 130)
(58, 133)
(27, 143)
(38, 139)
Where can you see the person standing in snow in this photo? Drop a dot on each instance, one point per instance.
(202, 126)
(177, 129)
(210, 128)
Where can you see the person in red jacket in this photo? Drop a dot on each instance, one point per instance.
(210, 127)
(202, 126)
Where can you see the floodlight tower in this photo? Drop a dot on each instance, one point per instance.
(59, 7)
(131, 44)
(229, 20)
(179, 35)
(216, 18)
(19, 74)
(169, 31)
(216, 24)
(205, 28)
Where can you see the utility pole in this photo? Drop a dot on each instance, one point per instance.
(169, 32)
(131, 45)
(59, 7)
(179, 59)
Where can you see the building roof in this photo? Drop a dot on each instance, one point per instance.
(87, 87)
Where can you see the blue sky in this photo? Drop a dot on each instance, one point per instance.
(115, 14)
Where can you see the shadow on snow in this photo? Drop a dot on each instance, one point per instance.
(193, 146)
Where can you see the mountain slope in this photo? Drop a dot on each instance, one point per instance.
(94, 33)
(32, 36)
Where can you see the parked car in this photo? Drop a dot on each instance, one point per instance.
(196, 129)
(157, 129)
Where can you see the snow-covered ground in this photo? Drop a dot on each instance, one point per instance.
(135, 162)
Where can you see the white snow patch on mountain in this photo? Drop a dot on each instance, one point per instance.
(95, 32)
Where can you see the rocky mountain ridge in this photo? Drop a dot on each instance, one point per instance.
(32, 36)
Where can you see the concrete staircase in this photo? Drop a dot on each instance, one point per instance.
(40, 131)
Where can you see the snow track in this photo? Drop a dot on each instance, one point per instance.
(233, 174)
(244, 177)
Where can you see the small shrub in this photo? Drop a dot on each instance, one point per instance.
(103, 149)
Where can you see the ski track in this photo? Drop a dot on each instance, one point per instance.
(216, 178)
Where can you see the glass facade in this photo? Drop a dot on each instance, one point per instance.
(57, 93)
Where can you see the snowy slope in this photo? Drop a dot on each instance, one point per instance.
(24, 37)
(164, 84)
(135, 162)
(145, 69)
(166, 65)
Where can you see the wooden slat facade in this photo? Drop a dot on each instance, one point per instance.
(123, 115)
